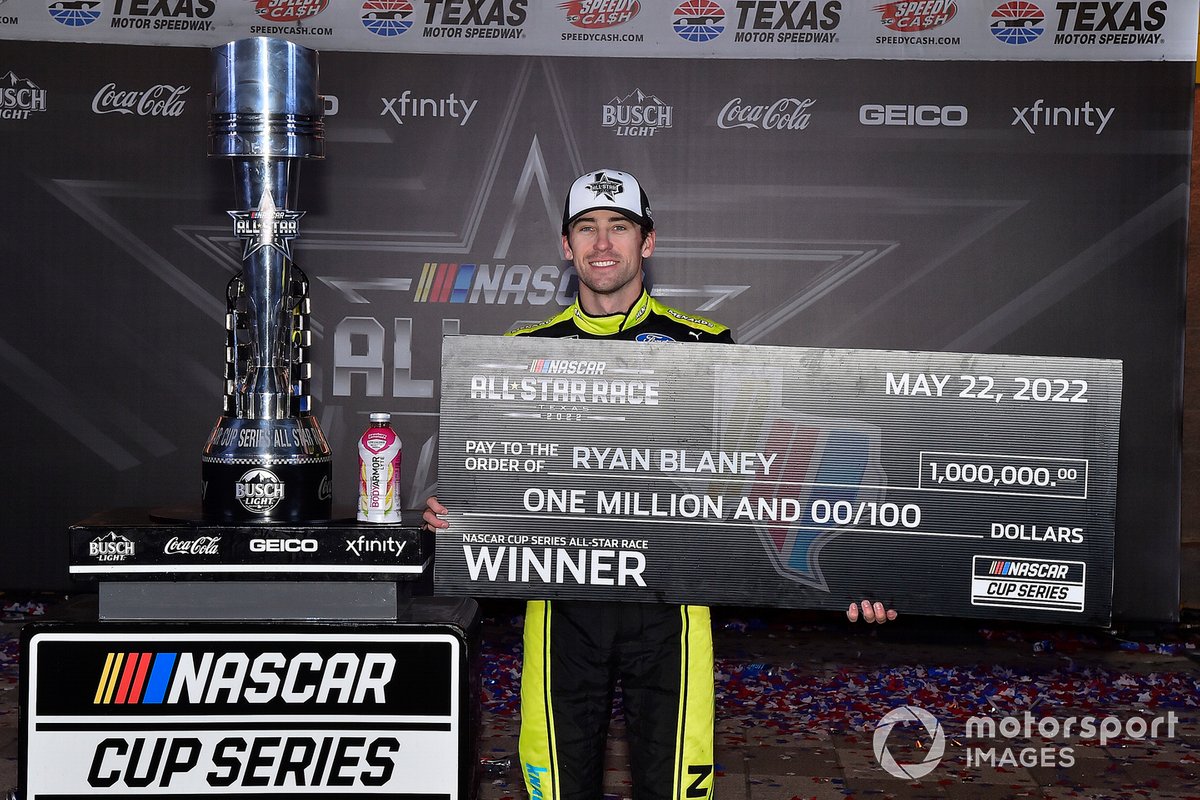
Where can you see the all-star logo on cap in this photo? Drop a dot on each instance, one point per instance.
(606, 186)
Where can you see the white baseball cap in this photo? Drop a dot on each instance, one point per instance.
(610, 190)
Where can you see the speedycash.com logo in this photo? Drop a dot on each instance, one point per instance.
(1005, 742)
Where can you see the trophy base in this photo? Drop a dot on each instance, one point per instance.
(276, 470)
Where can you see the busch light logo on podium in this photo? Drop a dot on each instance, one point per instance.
(259, 491)
(110, 547)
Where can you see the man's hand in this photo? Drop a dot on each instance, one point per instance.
(870, 612)
(434, 512)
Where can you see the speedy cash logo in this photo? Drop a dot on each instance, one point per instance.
(591, 14)
(288, 10)
(911, 17)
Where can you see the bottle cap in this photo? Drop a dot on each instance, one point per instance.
(381, 416)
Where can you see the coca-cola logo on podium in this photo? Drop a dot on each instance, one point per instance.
(201, 546)
(161, 100)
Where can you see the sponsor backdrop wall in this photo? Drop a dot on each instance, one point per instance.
(977, 178)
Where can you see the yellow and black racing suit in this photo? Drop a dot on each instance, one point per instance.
(576, 651)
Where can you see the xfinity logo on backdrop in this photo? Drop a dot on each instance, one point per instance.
(1041, 115)
(637, 114)
(364, 545)
(407, 106)
(786, 113)
(162, 100)
(924, 116)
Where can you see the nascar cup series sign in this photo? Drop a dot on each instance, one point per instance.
(157, 712)
(943, 483)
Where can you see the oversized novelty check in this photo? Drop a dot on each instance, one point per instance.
(940, 483)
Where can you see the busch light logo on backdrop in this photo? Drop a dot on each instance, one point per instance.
(828, 479)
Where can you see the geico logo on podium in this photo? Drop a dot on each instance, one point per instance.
(284, 546)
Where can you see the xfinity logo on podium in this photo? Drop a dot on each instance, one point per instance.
(923, 116)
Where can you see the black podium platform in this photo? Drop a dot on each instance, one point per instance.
(289, 660)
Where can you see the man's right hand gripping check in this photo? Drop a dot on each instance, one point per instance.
(434, 513)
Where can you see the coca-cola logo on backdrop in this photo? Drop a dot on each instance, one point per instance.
(784, 114)
(161, 100)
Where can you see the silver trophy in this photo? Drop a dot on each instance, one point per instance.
(267, 459)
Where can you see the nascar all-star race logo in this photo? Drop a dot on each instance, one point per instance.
(591, 14)
(74, 13)
(387, 18)
(152, 712)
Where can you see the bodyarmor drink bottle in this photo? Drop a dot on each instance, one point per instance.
(379, 472)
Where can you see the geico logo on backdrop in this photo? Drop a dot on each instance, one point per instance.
(637, 114)
(161, 100)
(284, 545)
(922, 15)
(786, 113)
(406, 107)
(600, 13)
(924, 116)
(235, 677)
(1040, 115)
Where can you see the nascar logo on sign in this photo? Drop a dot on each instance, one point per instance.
(827, 470)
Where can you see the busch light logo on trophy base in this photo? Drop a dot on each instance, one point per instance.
(266, 459)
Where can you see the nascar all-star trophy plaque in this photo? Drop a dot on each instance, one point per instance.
(941, 483)
(266, 459)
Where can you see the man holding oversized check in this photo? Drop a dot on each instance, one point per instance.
(576, 649)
